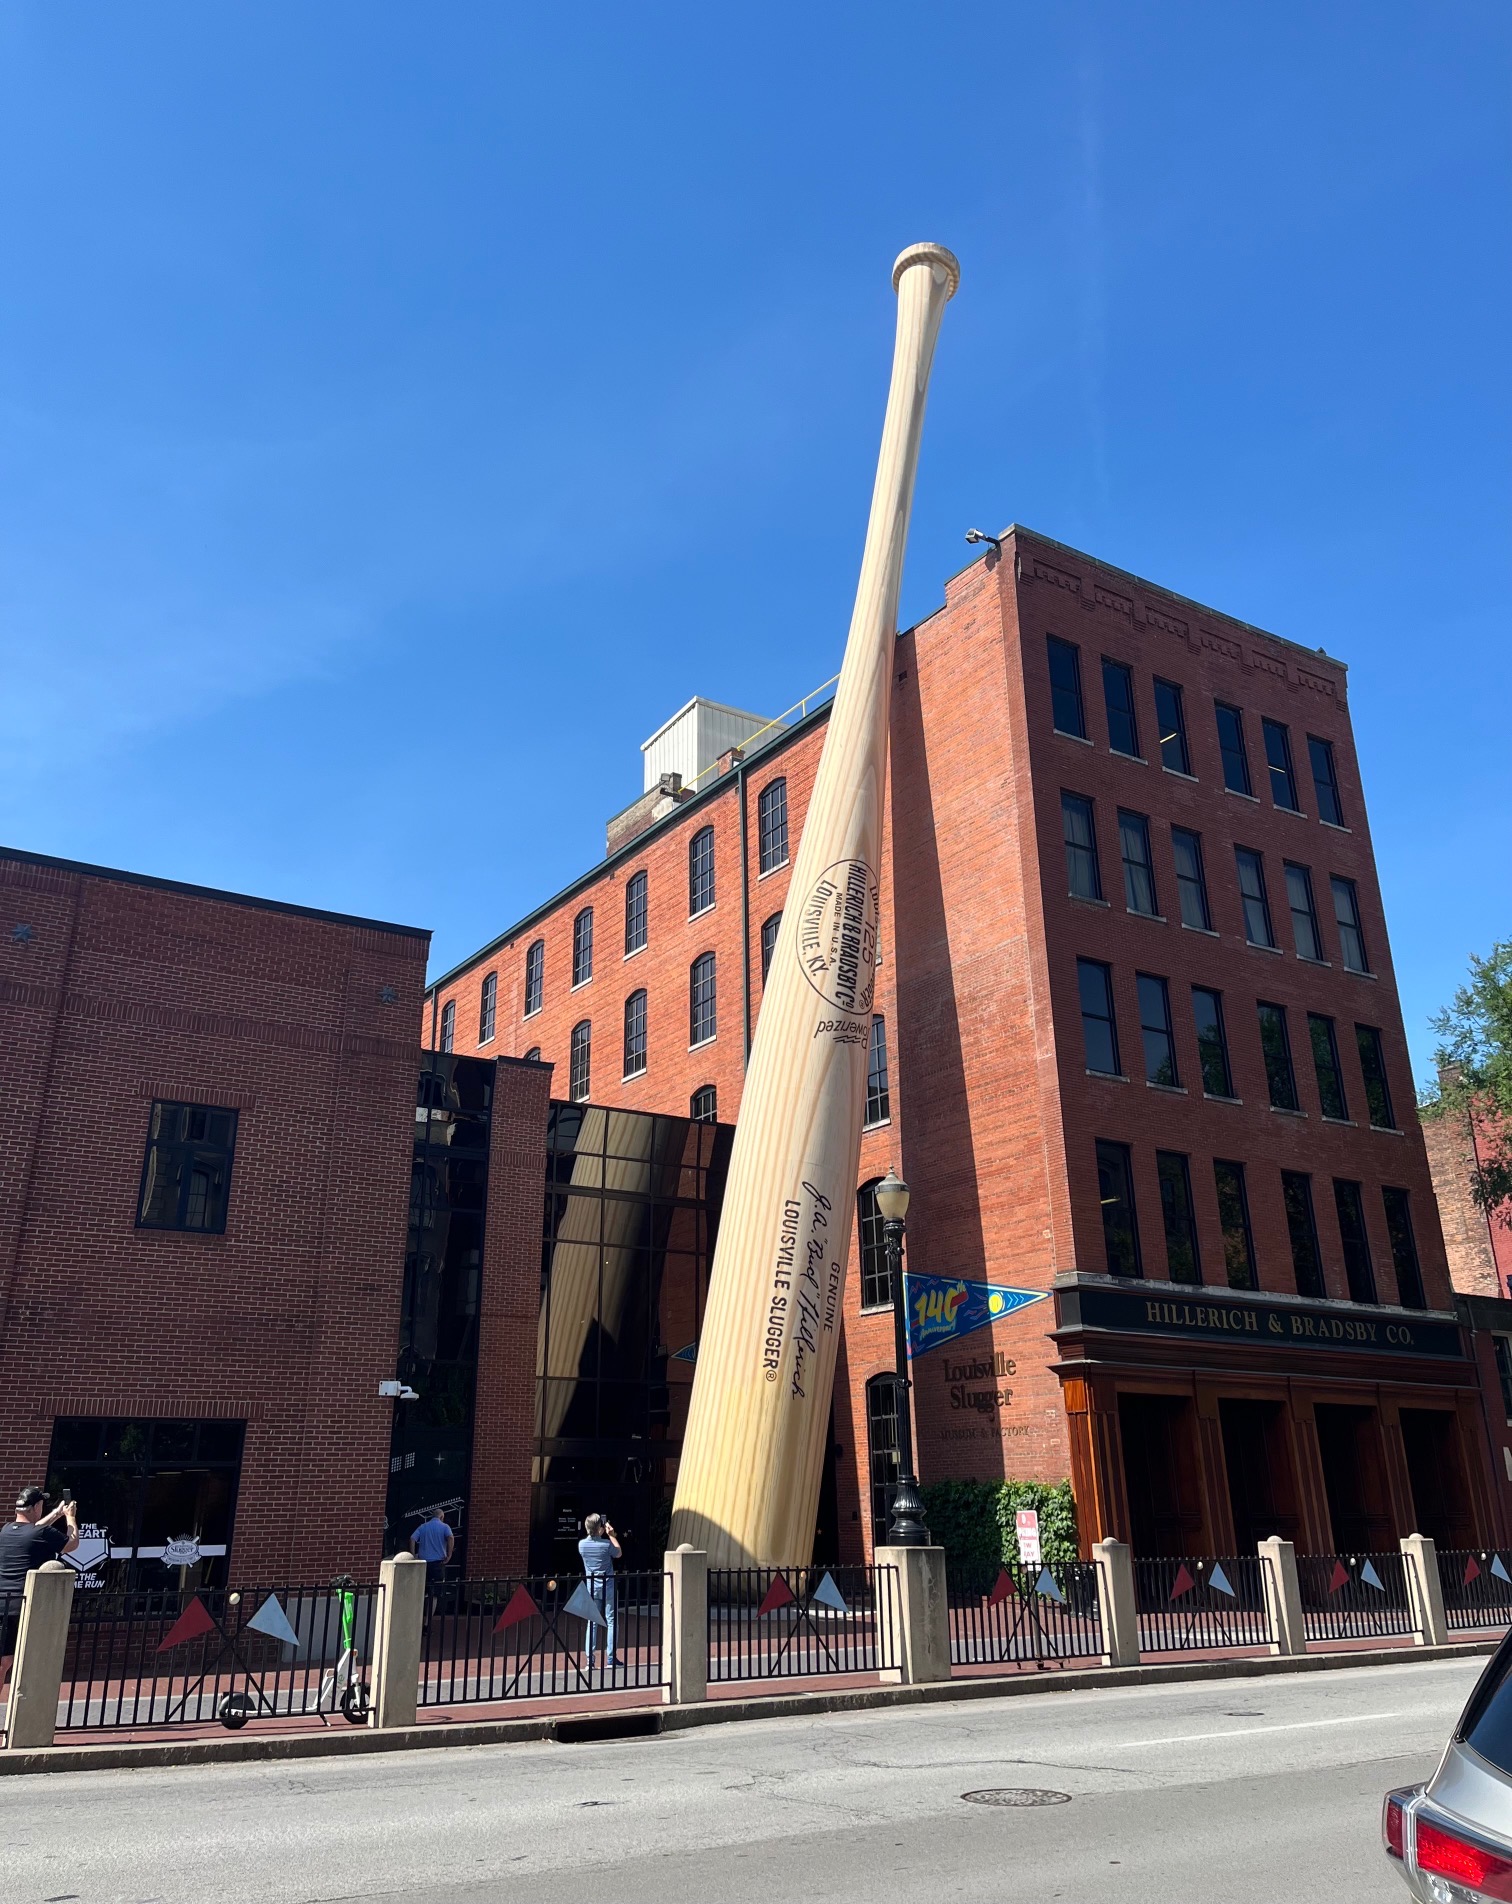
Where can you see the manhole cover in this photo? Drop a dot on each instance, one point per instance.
(1015, 1795)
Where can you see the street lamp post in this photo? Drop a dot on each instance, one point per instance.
(906, 1522)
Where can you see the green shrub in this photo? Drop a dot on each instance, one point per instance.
(973, 1522)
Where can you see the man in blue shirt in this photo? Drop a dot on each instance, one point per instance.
(433, 1541)
(599, 1549)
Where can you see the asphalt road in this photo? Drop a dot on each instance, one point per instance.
(1217, 1793)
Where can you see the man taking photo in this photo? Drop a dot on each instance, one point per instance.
(33, 1537)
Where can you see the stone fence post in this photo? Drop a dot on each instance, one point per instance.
(920, 1612)
(1425, 1589)
(685, 1624)
(41, 1641)
(1283, 1596)
(1116, 1604)
(401, 1626)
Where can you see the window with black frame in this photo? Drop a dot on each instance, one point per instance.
(582, 947)
(1170, 714)
(1373, 1071)
(1138, 866)
(1278, 763)
(636, 890)
(1155, 1031)
(703, 1015)
(1257, 914)
(1232, 750)
(1325, 780)
(878, 1095)
(882, 1450)
(772, 826)
(1083, 879)
(1275, 1045)
(1118, 698)
(1234, 1221)
(769, 930)
(186, 1173)
(1099, 1025)
(635, 1034)
(1325, 1050)
(1302, 1229)
(535, 976)
(488, 1008)
(1066, 710)
(1183, 1259)
(871, 1244)
(1115, 1190)
(580, 1062)
(1346, 900)
(449, 1025)
(1404, 1251)
(703, 1106)
(701, 871)
(1212, 1042)
(1304, 914)
(1358, 1267)
(1191, 881)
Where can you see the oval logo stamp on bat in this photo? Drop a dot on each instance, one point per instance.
(837, 935)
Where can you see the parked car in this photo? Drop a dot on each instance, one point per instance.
(1452, 1838)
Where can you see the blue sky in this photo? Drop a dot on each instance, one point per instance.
(403, 410)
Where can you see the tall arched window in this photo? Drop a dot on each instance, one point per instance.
(876, 1283)
(449, 1024)
(701, 871)
(769, 933)
(488, 1005)
(580, 1063)
(635, 913)
(703, 1021)
(635, 1034)
(882, 1450)
(703, 1107)
(535, 976)
(878, 1095)
(771, 825)
(582, 947)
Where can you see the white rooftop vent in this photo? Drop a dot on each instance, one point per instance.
(695, 738)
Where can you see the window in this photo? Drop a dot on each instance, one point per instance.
(1183, 1265)
(1347, 917)
(1191, 885)
(703, 1106)
(1302, 1228)
(449, 1025)
(1115, 1189)
(1503, 1351)
(533, 1056)
(1357, 1263)
(1278, 763)
(635, 913)
(701, 871)
(882, 1450)
(1325, 781)
(769, 933)
(702, 1017)
(876, 1282)
(1139, 872)
(635, 1034)
(580, 1062)
(1236, 776)
(582, 947)
(1257, 918)
(1299, 896)
(1155, 1029)
(1118, 696)
(1325, 1050)
(1171, 716)
(488, 1005)
(1373, 1069)
(1065, 688)
(1276, 1047)
(1234, 1219)
(1212, 1042)
(878, 1097)
(1083, 878)
(1404, 1256)
(771, 825)
(186, 1174)
(535, 976)
(1099, 1028)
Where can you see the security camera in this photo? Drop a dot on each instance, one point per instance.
(392, 1391)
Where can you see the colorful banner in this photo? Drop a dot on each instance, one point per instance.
(940, 1308)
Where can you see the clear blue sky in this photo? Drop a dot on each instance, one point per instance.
(404, 409)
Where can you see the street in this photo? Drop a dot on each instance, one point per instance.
(1224, 1791)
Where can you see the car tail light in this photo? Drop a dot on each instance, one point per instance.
(1394, 1826)
(1444, 1854)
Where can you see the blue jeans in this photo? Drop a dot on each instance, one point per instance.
(603, 1597)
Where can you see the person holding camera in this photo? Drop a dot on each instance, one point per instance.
(599, 1549)
(32, 1538)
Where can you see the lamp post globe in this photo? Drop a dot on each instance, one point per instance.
(905, 1527)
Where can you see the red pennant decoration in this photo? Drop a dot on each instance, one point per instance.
(1472, 1570)
(1340, 1577)
(778, 1594)
(1002, 1587)
(521, 1607)
(194, 1620)
(1183, 1582)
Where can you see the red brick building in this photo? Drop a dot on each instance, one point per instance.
(1139, 1054)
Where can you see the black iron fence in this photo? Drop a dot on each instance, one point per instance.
(1355, 1596)
(801, 1622)
(152, 1658)
(529, 1638)
(1477, 1586)
(1041, 1613)
(1201, 1604)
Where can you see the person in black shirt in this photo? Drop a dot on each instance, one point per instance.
(33, 1537)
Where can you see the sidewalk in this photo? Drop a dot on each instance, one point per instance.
(600, 1716)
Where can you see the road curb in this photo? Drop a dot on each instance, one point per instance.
(637, 1721)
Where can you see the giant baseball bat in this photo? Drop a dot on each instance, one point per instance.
(758, 1420)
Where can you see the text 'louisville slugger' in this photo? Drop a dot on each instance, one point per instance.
(758, 1422)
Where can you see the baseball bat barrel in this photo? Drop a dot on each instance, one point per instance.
(758, 1420)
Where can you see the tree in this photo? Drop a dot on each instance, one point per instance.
(1474, 1058)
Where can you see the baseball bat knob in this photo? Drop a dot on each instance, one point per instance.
(937, 257)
